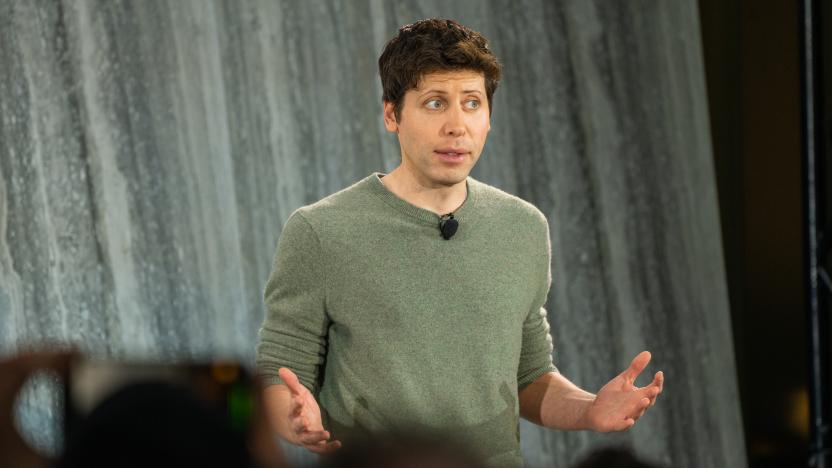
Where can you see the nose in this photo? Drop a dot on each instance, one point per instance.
(454, 123)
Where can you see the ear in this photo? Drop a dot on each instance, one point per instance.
(390, 118)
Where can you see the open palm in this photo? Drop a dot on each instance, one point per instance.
(620, 403)
(305, 417)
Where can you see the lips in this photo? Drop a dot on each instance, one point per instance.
(451, 156)
(452, 151)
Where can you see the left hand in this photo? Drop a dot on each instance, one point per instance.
(620, 403)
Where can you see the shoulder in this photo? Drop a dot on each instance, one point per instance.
(497, 202)
(349, 203)
(525, 222)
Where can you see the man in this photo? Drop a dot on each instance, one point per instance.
(381, 317)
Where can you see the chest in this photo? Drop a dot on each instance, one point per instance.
(475, 286)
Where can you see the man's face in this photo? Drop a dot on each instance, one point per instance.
(443, 126)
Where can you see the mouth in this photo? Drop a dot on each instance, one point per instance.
(452, 155)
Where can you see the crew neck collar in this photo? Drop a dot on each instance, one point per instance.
(428, 216)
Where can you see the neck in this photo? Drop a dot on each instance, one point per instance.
(441, 199)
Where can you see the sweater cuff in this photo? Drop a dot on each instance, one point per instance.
(535, 375)
(269, 380)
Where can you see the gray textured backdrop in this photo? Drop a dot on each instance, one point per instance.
(150, 151)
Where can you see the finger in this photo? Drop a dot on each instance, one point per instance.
(653, 390)
(297, 406)
(300, 425)
(636, 366)
(640, 405)
(303, 424)
(325, 447)
(655, 396)
(659, 380)
(653, 400)
(626, 424)
(313, 437)
(645, 405)
(291, 380)
(648, 392)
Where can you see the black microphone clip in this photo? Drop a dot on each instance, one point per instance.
(448, 225)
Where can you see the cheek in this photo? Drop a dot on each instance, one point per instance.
(482, 124)
(422, 137)
(417, 146)
(413, 140)
(482, 133)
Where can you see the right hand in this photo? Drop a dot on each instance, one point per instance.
(305, 424)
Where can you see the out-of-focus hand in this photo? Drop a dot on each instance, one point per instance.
(14, 371)
(305, 423)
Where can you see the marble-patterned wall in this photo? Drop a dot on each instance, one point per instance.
(150, 151)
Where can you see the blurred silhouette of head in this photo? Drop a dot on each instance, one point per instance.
(402, 450)
(613, 457)
(155, 424)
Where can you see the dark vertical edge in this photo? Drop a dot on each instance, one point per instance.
(814, 226)
(720, 24)
(823, 15)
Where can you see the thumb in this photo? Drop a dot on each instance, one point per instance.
(636, 366)
(291, 380)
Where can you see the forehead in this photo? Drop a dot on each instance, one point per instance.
(463, 79)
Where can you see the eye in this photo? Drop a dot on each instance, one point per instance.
(430, 105)
(475, 104)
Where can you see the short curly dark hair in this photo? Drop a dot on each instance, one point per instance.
(434, 45)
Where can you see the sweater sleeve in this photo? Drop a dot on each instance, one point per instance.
(536, 351)
(294, 330)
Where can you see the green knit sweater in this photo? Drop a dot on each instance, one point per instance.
(393, 327)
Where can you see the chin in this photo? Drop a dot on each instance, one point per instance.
(451, 178)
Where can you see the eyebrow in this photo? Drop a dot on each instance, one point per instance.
(439, 91)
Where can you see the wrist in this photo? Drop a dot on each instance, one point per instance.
(586, 421)
(277, 402)
(572, 413)
(584, 418)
